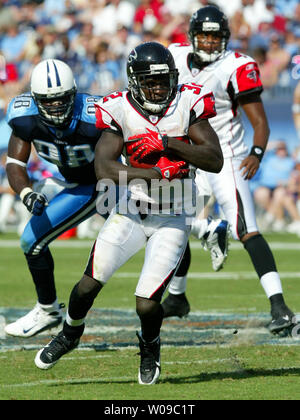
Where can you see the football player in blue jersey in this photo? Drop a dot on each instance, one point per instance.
(60, 123)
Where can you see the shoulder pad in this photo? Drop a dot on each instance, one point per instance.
(21, 106)
(110, 111)
(85, 107)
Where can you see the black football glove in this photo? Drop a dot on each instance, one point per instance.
(35, 203)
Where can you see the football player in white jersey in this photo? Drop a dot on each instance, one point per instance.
(162, 128)
(235, 81)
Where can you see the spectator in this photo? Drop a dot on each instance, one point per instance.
(228, 7)
(278, 56)
(147, 15)
(52, 44)
(123, 42)
(177, 8)
(261, 37)
(13, 42)
(272, 193)
(54, 10)
(7, 195)
(106, 74)
(238, 26)
(296, 109)
(256, 12)
(7, 14)
(292, 42)
(286, 7)
(176, 30)
(294, 191)
(279, 21)
(113, 14)
(294, 23)
(268, 72)
(9, 77)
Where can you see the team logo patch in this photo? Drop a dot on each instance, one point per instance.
(252, 76)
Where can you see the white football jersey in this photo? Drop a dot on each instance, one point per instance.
(119, 113)
(229, 77)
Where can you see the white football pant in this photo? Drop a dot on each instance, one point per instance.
(233, 195)
(122, 236)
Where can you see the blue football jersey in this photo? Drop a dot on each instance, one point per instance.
(71, 149)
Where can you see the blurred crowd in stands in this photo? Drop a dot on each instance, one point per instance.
(95, 37)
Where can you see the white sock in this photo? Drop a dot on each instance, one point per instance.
(74, 322)
(51, 307)
(271, 283)
(199, 227)
(178, 285)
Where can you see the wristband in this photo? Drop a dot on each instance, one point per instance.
(25, 191)
(257, 151)
(16, 162)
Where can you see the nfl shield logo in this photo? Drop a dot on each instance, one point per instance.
(195, 71)
(153, 119)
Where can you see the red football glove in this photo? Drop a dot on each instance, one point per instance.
(171, 169)
(144, 144)
(133, 153)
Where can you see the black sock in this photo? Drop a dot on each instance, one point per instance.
(277, 300)
(82, 297)
(72, 333)
(151, 317)
(177, 298)
(42, 270)
(260, 254)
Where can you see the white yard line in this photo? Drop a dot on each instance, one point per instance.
(230, 275)
(234, 246)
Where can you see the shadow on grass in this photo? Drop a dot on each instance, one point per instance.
(200, 378)
(235, 375)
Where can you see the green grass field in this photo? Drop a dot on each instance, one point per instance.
(222, 350)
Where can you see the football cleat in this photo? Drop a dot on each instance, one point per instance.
(36, 321)
(216, 241)
(176, 305)
(149, 370)
(282, 319)
(48, 356)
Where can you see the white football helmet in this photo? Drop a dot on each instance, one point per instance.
(53, 88)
